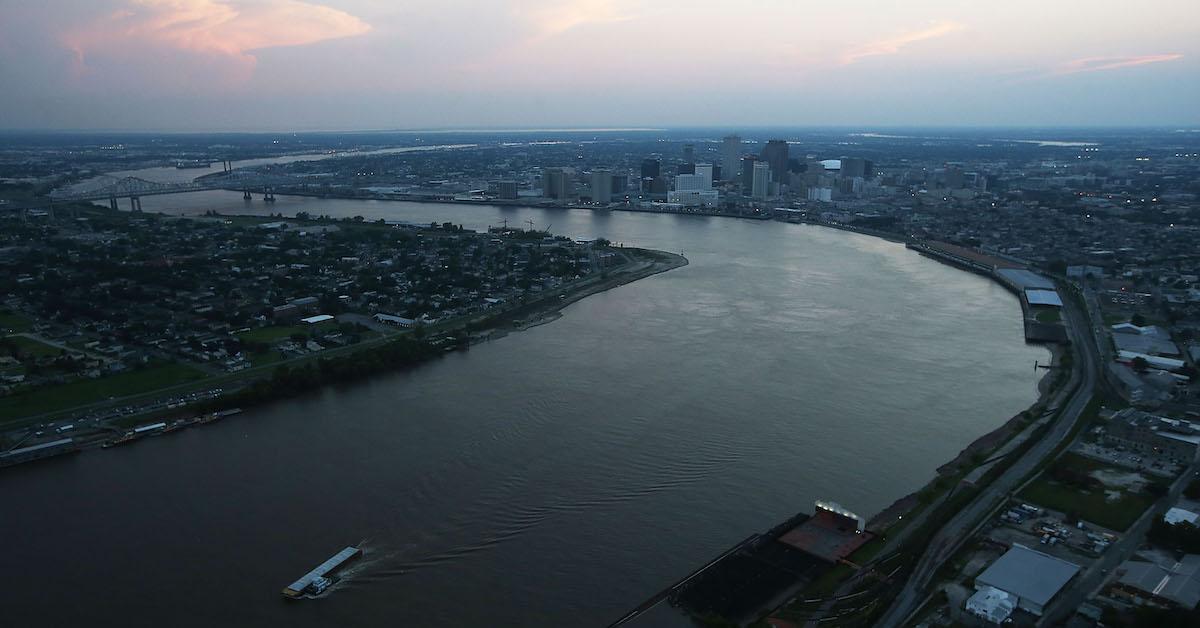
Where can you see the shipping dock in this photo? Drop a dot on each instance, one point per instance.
(318, 580)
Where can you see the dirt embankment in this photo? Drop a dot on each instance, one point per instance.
(970, 455)
(646, 262)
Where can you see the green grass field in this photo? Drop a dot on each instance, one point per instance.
(1049, 316)
(1092, 505)
(28, 346)
(277, 333)
(55, 398)
(14, 323)
(262, 358)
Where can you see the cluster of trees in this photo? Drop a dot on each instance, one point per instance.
(1182, 536)
(289, 382)
(1150, 617)
(1077, 478)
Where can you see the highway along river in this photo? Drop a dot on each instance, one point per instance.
(553, 477)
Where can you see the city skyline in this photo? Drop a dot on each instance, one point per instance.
(235, 65)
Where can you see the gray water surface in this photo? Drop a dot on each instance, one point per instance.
(555, 477)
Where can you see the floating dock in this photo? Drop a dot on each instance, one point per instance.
(315, 581)
(37, 452)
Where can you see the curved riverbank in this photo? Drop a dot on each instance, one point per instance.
(560, 476)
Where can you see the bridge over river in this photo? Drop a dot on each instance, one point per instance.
(108, 187)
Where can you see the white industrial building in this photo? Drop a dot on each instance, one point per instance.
(991, 604)
(398, 321)
(691, 182)
(694, 198)
(1032, 577)
(1039, 296)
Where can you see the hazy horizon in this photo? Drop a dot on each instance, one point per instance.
(372, 65)
(714, 128)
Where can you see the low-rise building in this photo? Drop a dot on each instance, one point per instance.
(1030, 576)
(1149, 434)
(991, 604)
(1170, 585)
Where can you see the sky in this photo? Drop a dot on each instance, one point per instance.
(280, 65)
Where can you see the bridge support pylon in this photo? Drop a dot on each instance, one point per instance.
(246, 195)
(112, 203)
(135, 204)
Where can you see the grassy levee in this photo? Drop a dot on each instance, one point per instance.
(51, 399)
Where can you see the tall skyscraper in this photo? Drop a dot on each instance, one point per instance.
(775, 153)
(506, 190)
(692, 183)
(748, 173)
(731, 154)
(602, 186)
(857, 167)
(650, 171)
(620, 183)
(762, 179)
(705, 171)
(955, 179)
(556, 183)
(689, 153)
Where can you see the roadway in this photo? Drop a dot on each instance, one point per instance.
(1092, 579)
(962, 525)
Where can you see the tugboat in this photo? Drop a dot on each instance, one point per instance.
(127, 437)
(318, 580)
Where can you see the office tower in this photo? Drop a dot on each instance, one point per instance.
(775, 153)
(506, 190)
(688, 168)
(695, 189)
(761, 179)
(694, 198)
(651, 168)
(692, 182)
(620, 183)
(856, 167)
(602, 186)
(556, 183)
(748, 173)
(689, 153)
(955, 178)
(731, 154)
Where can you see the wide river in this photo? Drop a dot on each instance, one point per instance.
(555, 477)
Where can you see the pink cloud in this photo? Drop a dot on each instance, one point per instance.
(893, 45)
(552, 18)
(1099, 64)
(228, 29)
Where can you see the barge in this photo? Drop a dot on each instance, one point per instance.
(318, 580)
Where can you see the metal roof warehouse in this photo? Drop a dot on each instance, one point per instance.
(1037, 296)
(1035, 578)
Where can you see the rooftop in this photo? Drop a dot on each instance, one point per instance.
(1037, 296)
(1179, 583)
(1026, 278)
(1029, 574)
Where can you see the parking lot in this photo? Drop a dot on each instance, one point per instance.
(1048, 531)
(1146, 463)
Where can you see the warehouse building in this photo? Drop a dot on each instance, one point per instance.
(1032, 577)
(1149, 434)
(1174, 584)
